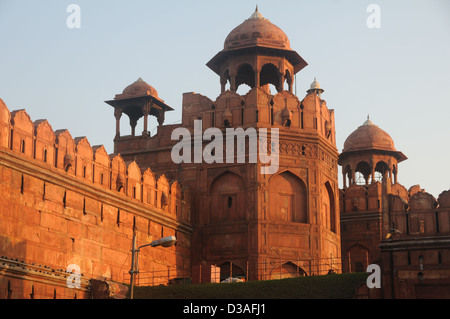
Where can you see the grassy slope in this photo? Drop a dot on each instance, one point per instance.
(341, 286)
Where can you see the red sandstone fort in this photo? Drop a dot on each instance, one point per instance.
(65, 202)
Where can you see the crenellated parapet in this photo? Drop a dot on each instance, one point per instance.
(260, 108)
(66, 203)
(421, 214)
(59, 151)
(412, 212)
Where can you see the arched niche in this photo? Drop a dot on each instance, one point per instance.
(286, 106)
(163, 190)
(66, 150)
(328, 207)
(287, 198)
(357, 257)
(118, 174)
(228, 198)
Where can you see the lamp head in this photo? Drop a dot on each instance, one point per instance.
(165, 242)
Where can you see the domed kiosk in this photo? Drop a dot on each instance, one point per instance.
(369, 151)
(256, 53)
(369, 137)
(137, 100)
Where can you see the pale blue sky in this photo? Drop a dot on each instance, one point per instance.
(399, 74)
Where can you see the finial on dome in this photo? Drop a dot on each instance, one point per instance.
(256, 14)
(368, 122)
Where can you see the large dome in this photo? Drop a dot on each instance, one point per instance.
(257, 31)
(369, 137)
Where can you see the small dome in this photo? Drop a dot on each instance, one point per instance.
(315, 86)
(257, 31)
(368, 137)
(138, 88)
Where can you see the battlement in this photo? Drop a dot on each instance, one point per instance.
(75, 157)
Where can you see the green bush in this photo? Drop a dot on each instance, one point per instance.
(333, 286)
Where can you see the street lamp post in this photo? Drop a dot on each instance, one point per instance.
(164, 242)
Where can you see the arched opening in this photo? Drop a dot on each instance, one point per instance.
(270, 75)
(231, 270)
(287, 270)
(245, 75)
(228, 198)
(134, 113)
(381, 171)
(362, 173)
(288, 198)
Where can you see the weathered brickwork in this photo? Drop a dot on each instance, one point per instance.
(64, 202)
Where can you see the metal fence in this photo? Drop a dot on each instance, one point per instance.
(161, 277)
(233, 271)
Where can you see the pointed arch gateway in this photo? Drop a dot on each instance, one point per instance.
(288, 198)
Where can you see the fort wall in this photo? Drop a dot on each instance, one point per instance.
(64, 202)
